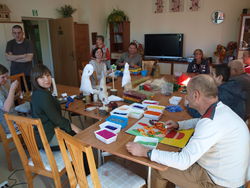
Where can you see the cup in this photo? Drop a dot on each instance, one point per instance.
(113, 91)
(144, 72)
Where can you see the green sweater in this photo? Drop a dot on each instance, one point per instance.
(46, 107)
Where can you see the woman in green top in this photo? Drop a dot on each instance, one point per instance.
(46, 107)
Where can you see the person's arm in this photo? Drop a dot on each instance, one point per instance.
(27, 58)
(120, 61)
(10, 57)
(47, 105)
(139, 63)
(9, 102)
(189, 69)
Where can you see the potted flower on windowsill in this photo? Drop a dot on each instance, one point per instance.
(66, 11)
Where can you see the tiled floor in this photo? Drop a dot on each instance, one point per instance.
(18, 175)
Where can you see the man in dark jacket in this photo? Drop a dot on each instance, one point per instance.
(230, 92)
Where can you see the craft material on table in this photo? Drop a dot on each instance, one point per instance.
(115, 128)
(132, 96)
(152, 115)
(147, 141)
(174, 108)
(149, 102)
(156, 108)
(105, 136)
(159, 130)
(175, 100)
(118, 120)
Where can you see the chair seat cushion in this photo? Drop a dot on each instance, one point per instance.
(113, 175)
(8, 136)
(58, 158)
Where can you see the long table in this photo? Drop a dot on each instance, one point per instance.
(118, 148)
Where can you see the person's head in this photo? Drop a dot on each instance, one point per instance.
(202, 91)
(97, 53)
(198, 54)
(99, 41)
(3, 75)
(17, 33)
(41, 77)
(246, 57)
(236, 68)
(132, 48)
(221, 73)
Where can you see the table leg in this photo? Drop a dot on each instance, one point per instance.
(99, 155)
(149, 177)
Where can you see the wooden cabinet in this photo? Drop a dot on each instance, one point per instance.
(244, 37)
(119, 38)
(5, 36)
(70, 47)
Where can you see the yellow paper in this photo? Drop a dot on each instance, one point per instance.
(179, 142)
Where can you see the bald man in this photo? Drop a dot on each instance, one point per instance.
(238, 73)
(218, 152)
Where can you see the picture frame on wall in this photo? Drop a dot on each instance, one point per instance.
(176, 5)
(194, 5)
(159, 6)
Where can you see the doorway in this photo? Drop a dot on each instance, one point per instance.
(37, 30)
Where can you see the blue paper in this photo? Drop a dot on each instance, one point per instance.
(174, 108)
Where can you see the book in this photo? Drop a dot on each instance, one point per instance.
(157, 129)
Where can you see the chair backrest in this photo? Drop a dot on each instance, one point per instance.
(148, 65)
(76, 148)
(3, 136)
(20, 78)
(26, 127)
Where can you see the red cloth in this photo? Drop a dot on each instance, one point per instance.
(247, 69)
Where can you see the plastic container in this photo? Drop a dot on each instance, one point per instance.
(136, 113)
(144, 72)
(118, 120)
(137, 106)
(115, 128)
(105, 136)
(156, 108)
(118, 112)
(149, 102)
(147, 141)
(152, 115)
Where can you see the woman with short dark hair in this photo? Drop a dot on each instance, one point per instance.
(199, 64)
(46, 107)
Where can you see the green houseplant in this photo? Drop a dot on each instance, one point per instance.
(117, 15)
(66, 11)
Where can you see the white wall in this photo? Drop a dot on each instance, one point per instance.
(46, 8)
(199, 31)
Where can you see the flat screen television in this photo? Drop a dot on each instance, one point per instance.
(163, 46)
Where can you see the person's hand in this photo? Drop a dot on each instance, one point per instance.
(14, 85)
(172, 124)
(137, 149)
(75, 128)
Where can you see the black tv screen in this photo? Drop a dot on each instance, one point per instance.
(163, 45)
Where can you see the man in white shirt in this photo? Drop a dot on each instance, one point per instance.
(218, 152)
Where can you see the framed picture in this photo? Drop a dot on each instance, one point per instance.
(194, 5)
(159, 6)
(176, 5)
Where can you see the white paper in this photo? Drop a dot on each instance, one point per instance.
(86, 86)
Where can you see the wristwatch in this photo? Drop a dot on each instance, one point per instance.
(149, 153)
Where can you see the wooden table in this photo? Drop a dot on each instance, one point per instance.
(118, 148)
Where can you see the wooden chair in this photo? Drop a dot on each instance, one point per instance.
(7, 140)
(42, 162)
(20, 78)
(110, 174)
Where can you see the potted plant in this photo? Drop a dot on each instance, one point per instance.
(117, 15)
(66, 11)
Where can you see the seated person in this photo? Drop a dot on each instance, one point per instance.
(131, 57)
(46, 107)
(7, 96)
(99, 65)
(246, 61)
(105, 50)
(216, 155)
(199, 64)
(238, 74)
(229, 91)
